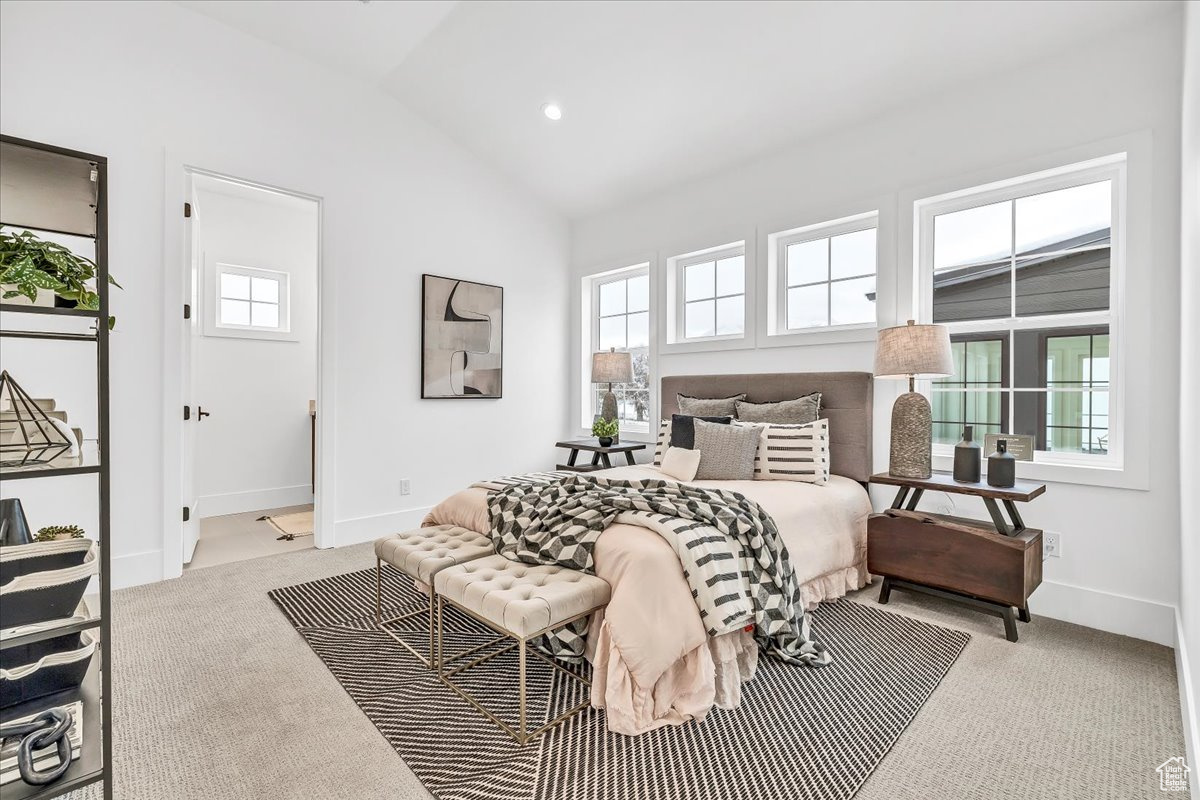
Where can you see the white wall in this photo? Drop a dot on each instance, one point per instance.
(1189, 424)
(138, 82)
(1120, 546)
(254, 452)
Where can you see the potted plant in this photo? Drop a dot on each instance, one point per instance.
(28, 264)
(54, 533)
(605, 430)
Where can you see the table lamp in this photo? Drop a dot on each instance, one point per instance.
(913, 351)
(611, 367)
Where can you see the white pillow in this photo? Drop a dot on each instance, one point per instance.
(680, 463)
(792, 452)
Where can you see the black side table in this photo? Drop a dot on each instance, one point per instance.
(599, 453)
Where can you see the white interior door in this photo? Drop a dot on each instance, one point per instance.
(191, 526)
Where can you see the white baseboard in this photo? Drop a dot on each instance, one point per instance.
(366, 529)
(1115, 613)
(1187, 705)
(136, 568)
(218, 505)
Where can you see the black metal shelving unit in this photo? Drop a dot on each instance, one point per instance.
(65, 202)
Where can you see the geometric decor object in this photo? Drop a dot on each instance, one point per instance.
(27, 435)
(462, 339)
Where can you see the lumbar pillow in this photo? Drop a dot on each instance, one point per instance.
(800, 411)
(792, 452)
(681, 464)
(708, 407)
(664, 441)
(683, 429)
(726, 452)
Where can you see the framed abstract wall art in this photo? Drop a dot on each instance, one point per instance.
(462, 339)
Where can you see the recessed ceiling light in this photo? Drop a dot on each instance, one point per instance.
(552, 111)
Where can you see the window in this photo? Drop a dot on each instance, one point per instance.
(824, 275)
(712, 303)
(620, 320)
(248, 302)
(1024, 275)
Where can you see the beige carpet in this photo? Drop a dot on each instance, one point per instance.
(219, 698)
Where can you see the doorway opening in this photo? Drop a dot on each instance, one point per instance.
(251, 370)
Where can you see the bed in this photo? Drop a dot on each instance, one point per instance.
(653, 663)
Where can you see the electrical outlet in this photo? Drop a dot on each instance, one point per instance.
(405, 486)
(1051, 545)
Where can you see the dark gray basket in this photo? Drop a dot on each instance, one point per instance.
(55, 665)
(40, 589)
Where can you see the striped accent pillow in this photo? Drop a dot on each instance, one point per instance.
(792, 452)
(664, 441)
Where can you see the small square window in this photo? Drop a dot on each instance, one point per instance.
(248, 302)
(826, 275)
(710, 294)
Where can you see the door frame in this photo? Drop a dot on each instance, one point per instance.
(177, 258)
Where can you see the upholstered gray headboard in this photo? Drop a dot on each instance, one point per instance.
(845, 401)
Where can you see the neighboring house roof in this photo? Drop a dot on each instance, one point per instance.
(1054, 250)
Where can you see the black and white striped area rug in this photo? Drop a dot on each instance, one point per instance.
(799, 732)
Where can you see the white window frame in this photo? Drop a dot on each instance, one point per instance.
(213, 326)
(677, 294)
(777, 269)
(1113, 168)
(590, 338)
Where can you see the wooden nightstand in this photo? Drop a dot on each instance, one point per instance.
(599, 453)
(992, 568)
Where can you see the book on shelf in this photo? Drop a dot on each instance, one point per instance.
(46, 757)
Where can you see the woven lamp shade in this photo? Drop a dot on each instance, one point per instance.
(612, 367)
(914, 350)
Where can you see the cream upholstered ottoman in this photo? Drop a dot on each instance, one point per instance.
(421, 554)
(521, 602)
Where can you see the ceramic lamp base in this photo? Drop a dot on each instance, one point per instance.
(608, 409)
(912, 437)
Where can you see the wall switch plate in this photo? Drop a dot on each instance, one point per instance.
(1051, 545)
(405, 486)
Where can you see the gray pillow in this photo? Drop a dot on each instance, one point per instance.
(726, 452)
(708, 407)
(800, 411)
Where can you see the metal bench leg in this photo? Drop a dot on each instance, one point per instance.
(524, 737)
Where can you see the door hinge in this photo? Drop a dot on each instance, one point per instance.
(187, 310)
(187, 513)
(187, 209)
(187, 413)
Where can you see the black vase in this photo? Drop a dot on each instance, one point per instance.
(605, 441)
(968, 458)
(14, 528)
(1002, 467)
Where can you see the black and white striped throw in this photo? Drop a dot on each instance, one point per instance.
(797, 734)
(733, 558)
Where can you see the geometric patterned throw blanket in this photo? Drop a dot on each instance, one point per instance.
(733, 558)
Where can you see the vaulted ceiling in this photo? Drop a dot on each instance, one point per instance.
(655, 94)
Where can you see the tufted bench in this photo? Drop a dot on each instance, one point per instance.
(521, 602)
(421, 555)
